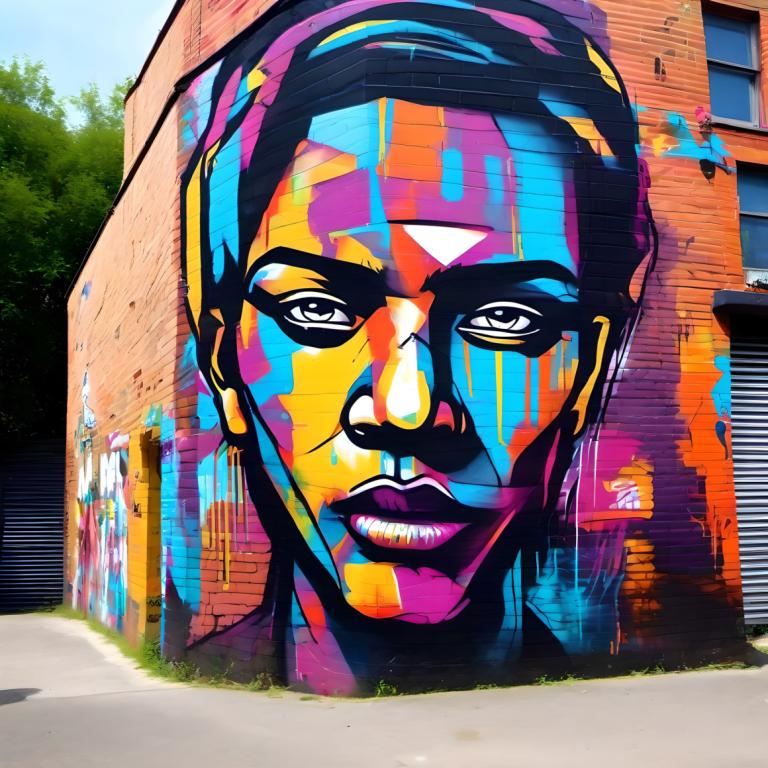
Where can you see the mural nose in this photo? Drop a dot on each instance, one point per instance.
(402, 393)
(405, 411)
(444, 440)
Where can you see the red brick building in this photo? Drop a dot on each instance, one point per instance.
(426, 342)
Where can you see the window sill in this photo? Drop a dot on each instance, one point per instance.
(725, 122)
(740, 302)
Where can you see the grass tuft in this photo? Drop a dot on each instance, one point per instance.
(383, 688)
(149, 657)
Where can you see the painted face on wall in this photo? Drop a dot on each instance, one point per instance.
(410, 332)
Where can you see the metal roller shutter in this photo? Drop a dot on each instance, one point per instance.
(749, 389)
(31, 526)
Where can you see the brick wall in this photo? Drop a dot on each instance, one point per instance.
(672, 563)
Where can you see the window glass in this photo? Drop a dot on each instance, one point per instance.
(730, 93)
(754, 242)
(753, 190)
(729, 40)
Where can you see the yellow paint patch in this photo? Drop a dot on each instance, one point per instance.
(234, 416)
(382, 129)
(497, 340)
(255, 79)
(500, 395)
(580, 406)
(193, 254)
(605, 71)
(373, 589)
(585, 128)
(350, 250)
(353, 28)
(660, 144)
(468, 367)
(248, 322)
(317, 166)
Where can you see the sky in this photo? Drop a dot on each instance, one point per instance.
(82, 41)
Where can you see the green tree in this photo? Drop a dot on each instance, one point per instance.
(57, 182)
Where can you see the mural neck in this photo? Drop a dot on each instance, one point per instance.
(337, 652)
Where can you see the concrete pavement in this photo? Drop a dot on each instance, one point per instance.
(69, 698)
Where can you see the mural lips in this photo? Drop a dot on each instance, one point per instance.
(418, 516)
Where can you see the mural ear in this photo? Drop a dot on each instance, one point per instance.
(219, 374)
(232, 413)
(584, 397)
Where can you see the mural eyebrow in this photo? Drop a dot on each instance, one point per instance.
(496, 274)
(341, 273)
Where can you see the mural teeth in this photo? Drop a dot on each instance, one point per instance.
(364, 524)
(374, 530)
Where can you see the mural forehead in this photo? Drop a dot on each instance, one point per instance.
(417, 242)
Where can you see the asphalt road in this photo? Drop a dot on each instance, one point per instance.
(69, 698)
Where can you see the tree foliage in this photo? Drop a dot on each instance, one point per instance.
(57, 182)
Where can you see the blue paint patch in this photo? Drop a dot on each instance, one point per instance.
(188, 136)
(203, 95)
(473, 51)
(555, 370)
(189, 355)
(721, 392)
(533, 385)
(376, 202)
(494, 174)
(714, 150)
(452, 184)
(180, 528)
(223, 229)
(206, 411)
(541, 189)
(154, 415)
(241, 99)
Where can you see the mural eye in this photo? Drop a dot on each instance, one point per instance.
(501, 322)
(312, 309)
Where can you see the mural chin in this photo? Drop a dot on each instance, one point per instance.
(421, 539)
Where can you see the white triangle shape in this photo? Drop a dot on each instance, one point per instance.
(444, 244)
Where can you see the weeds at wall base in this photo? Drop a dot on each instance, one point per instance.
(756, 631)
(383, 688)
(658, 669)
(148, 656)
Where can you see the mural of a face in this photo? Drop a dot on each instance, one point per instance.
(398, 286)
(408, 293)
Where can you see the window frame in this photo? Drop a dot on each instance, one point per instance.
(728, 12)
(761, 170)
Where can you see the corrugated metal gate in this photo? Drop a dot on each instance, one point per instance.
(31, 526)
(749, 389)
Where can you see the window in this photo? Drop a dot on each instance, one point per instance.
(732, 60)
(753, 210)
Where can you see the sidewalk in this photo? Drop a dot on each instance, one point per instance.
(69, 698)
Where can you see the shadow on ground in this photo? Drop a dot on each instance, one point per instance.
(757, 654)
(15, 695)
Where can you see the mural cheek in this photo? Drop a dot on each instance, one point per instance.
(265, 363)
(549, 381)
(512, 398)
